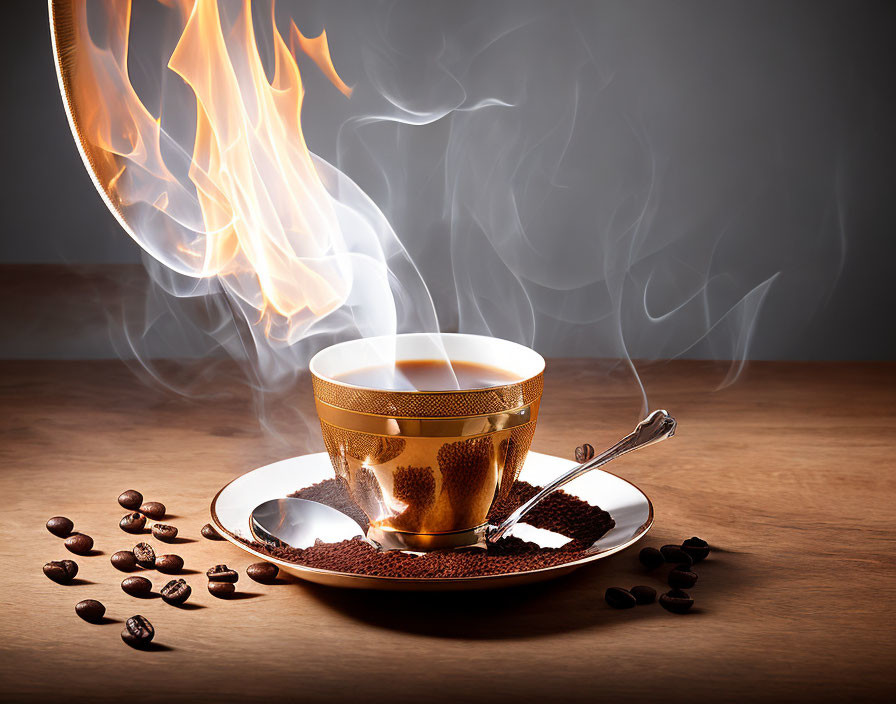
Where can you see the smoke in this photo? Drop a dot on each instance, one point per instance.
(511, 169)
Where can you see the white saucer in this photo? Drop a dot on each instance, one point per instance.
(626, 503)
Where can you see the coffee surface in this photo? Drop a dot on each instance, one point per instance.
(429, 375)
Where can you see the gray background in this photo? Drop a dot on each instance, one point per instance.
(769, 122)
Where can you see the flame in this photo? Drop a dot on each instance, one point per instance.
(250, 208)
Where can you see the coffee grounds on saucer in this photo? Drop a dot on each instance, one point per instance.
(560, 513)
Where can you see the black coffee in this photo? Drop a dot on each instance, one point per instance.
(429, 375)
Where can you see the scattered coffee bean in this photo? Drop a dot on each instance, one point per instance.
(132, 523)
(643, 594)
(676, 601)
(90, 610)
(584, 453)
(263, 572)
(153, 510)
(60, 526)
(696, 548)
(222, 573)
(146, 556)
(177, 591)
(131, 499)
(222, 590)
(79, 543)
(682, 577)
(164, 533)
(620, 598)
(61, 571)
(123, 560)
(169, 564)
(651, 558)
(136, 586)
(138, 632)
(208, 531)
(674, 553)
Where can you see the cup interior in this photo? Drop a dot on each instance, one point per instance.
(346, 357)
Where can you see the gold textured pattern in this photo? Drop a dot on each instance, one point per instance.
(465, 426)
(427, 404)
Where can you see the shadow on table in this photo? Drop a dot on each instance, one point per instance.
(571, 603)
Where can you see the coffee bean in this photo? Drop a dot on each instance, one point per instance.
(263, 572)
(651, 558)
(222, 573)
(695, 547)
(620, 598)
(208, 531)
(584, 453)
(222, 590)
(61, 571)
(131, 499)
(146, 556)
(177, 591)
(674, 553)
(153, 510)
(138, 632)
(682, 577)
(166, 534)
(90, 610)
(643, 594)
(79, 543)
(136, 586)
(123, 560)
(676, 601)
(132, 523)
(60, 526)
(169, 564)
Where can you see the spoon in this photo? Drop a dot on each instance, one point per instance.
(298, 523)
(659, 425)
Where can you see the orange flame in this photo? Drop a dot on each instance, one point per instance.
(256, 211)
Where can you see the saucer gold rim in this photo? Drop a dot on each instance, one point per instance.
(492, 581)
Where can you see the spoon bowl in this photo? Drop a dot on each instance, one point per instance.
(299, 523)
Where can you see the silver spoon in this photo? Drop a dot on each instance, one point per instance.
(659, 425)
(298, 523)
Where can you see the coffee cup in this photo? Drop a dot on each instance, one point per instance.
(426, 465)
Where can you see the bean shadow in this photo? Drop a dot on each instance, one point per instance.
(156, 648)
(181, 541)
(146, 597)
(105, 620)
(188, 607)
(77, 582)
(243, 595)
(189, 571)
(89, 553)
(571, 603)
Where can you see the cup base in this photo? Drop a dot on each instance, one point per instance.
(427, 542)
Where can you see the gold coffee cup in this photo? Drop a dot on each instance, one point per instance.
(426, 467)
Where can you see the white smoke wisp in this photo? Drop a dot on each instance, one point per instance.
(532, 160)
(551, 186)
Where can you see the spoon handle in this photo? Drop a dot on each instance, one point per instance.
(659, 425)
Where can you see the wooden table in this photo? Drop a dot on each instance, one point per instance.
(788, 473)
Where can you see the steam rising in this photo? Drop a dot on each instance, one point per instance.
(537, 200)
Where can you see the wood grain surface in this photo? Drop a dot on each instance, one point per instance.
(789, 474)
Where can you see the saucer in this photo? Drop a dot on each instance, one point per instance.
(626, 503)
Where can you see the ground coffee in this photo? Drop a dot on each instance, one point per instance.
(560, 513)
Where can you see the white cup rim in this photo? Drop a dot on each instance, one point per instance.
(523, 361)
